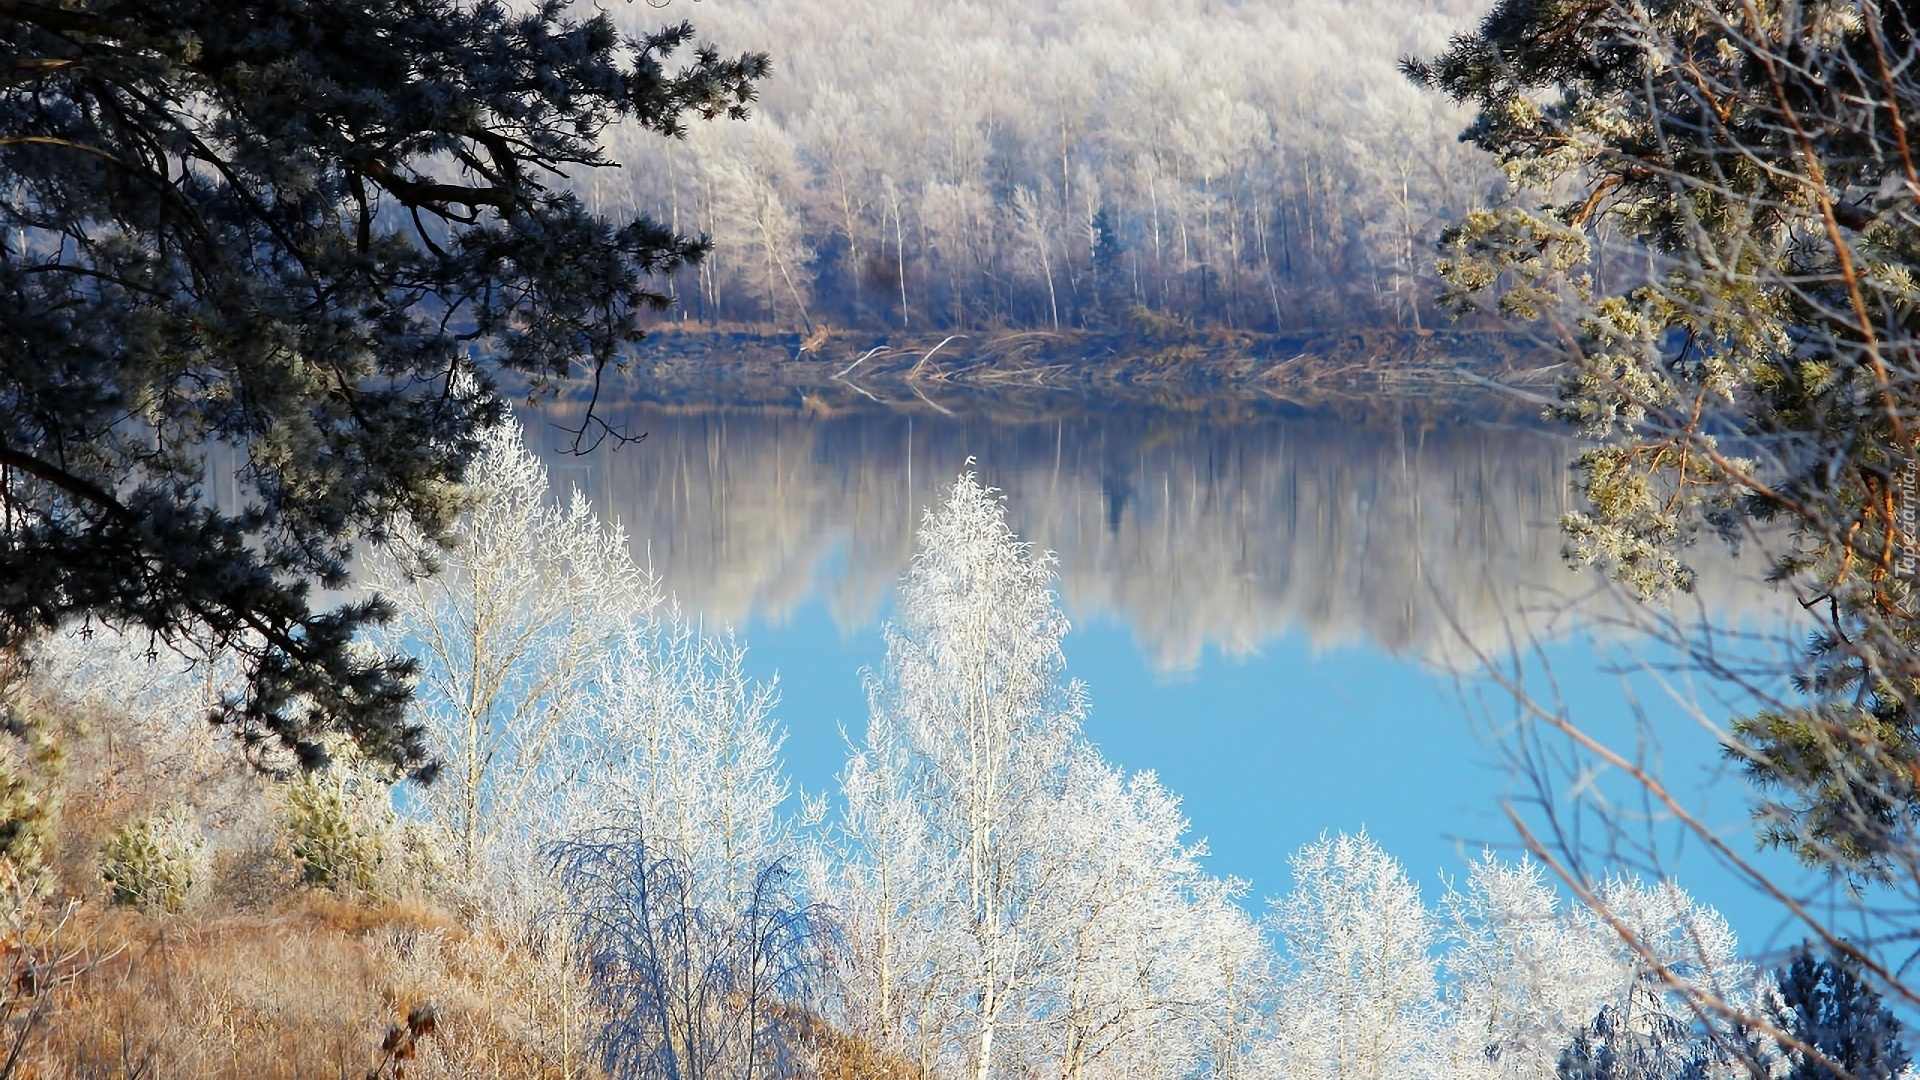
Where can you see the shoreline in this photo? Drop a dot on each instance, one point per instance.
(1435, 375)
(1349, 359)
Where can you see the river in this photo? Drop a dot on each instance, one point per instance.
(1283, 608)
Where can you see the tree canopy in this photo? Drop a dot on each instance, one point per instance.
(259, 264)
(1715, 219)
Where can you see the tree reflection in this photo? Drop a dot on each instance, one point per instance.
(1421, 528)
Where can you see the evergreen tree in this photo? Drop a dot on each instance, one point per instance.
(1621, 1044)
(1825, 1003)
(1109, 277)
(251, 249)
(1765, 366)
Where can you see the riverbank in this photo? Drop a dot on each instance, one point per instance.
(1356, 360)
(1045, 372)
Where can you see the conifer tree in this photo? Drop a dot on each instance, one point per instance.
(264, 242)
(1622, 1044)
(1761, 377)
(1109, 281)
(1826, 1004)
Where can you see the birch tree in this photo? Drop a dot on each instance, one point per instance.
(891, 880)
(1525, 972)
(509, 636)
(1031, 212)
(974, 685)
(1159, 962)
(1014, 904)
(1358, 1001)
(679, 743)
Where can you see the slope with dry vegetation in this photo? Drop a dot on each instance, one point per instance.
(226, 963)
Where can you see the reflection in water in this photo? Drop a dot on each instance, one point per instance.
(1401, 526)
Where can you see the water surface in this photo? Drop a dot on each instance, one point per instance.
(1277, 606)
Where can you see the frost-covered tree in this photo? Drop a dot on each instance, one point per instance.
(1523, 973)
(509, 635)
(974, 689)
(564, 694)
(1528, 975)
(677, 739)
(1531, 985)
(1012, 903)
(270, 243)
(1358, 998)
(1668, 939)
(1163, 970)
(889, 880)
(159, 699)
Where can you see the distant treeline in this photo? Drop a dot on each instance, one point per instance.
(1065, 163)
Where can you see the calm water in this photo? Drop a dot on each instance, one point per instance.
(1278, 608)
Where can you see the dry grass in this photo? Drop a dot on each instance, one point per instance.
(308, 988)
(259, 978)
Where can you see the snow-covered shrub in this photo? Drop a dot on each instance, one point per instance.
(154, 862)
(334, 825)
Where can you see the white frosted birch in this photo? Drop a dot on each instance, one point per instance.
(1161, 973)
(681, 745)
(1676, 953)
(1524, 973)
(508, 635)
(973, 725)
(1015, 906)
(1358, 1002)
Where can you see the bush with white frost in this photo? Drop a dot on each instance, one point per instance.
(336, 827)
(156, 862)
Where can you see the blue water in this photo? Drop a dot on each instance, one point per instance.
(1270, 750)
(1284, 611)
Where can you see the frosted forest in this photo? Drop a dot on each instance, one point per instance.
(1558, 354)
(1067, 164)
(983, 896)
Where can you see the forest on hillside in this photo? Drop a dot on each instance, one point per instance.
(1067, 163)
